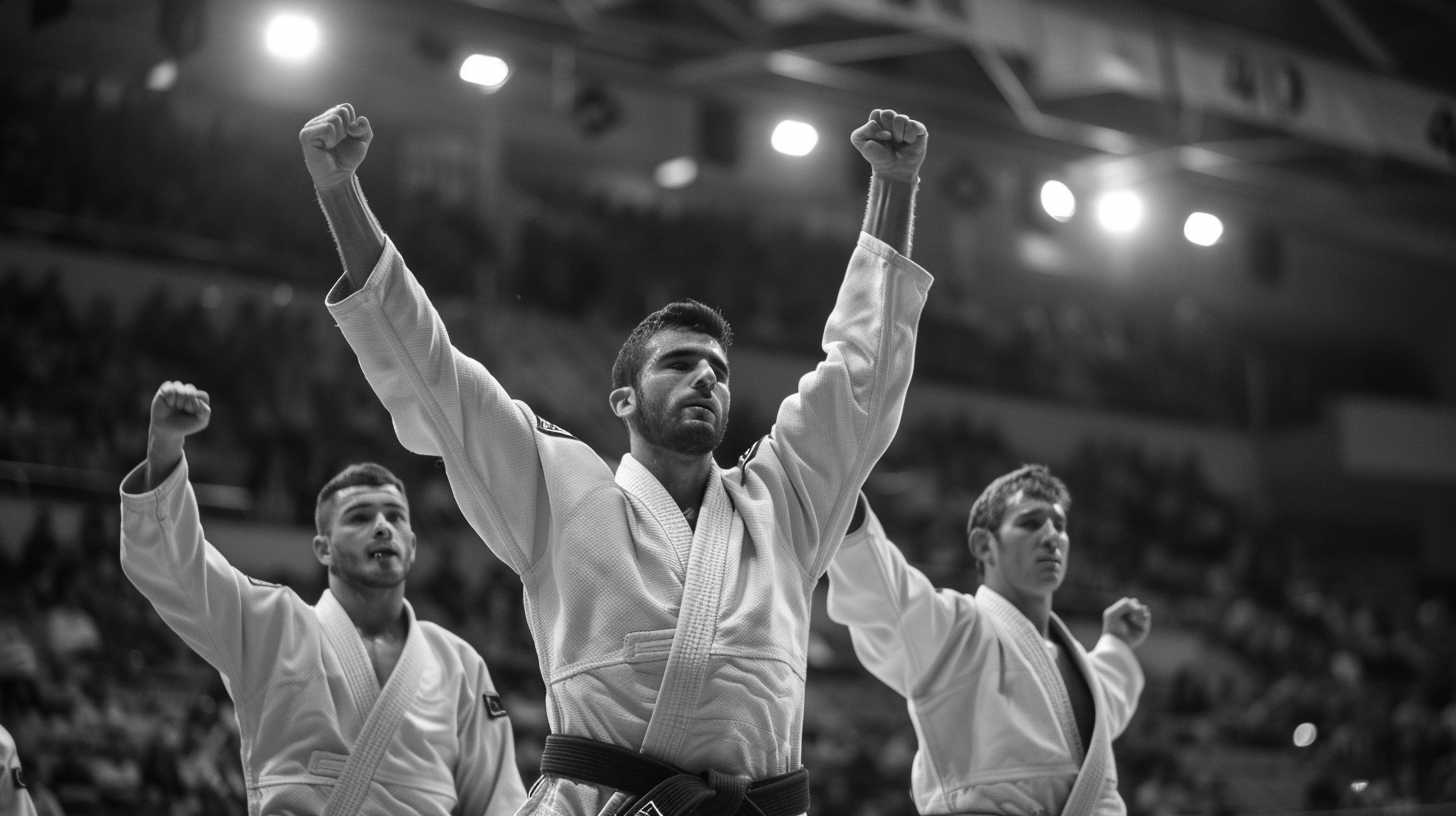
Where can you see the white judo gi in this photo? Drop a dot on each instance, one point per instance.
(604, 557)
(990, 709)
(14, 798)
(433, 741)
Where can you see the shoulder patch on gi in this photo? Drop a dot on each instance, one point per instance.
(261, 583)
(750, 453)
(494, 708)
(546, 426)
(649, 809)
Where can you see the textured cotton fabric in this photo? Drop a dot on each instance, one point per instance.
(303, 686)
(991, 711)
(603, 555)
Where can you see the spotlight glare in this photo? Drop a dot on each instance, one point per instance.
(1058, 201)
(1120, 211)
(162, 76)
(291, 37)
(676, 173)
(794, 138)
(1305, 734)
(1203, 229)
(487, 71)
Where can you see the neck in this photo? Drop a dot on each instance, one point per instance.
(1036, 607)
(374, 611)
(684, 475)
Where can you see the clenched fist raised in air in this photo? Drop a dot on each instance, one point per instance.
(179, 410)
(334, 144)
(892, 143)
(1129, 619)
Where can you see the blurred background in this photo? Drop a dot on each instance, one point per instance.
(1199, 259)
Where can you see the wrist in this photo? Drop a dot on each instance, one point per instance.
(163, 443)
(896, 180)
(345, 183)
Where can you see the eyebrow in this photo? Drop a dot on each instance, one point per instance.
(1051, 510)
(714, 358)
(360, 503)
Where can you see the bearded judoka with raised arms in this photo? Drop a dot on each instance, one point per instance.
(351, 706)
(669, 601)
(1012, 714)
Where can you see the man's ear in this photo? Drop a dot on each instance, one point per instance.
(981, 549)
(321, 551)
(624, 401)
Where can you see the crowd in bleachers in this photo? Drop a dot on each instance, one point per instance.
(1155, 528)
(146, 728)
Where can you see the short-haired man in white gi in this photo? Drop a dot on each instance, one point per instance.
(1013, 716)
(670, 600)
(349, 706)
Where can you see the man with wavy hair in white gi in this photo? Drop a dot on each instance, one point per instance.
(349, 706)
(670, 600)
(1013, 716)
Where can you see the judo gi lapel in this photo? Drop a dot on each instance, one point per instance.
(1087, 790)
(387, 706)
(697, 622)
(1029, 646)
(348, 647)
(651, 497)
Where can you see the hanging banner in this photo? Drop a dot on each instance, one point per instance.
(1073, 52)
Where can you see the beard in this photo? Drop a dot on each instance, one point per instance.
(358, 573)
(666, 430)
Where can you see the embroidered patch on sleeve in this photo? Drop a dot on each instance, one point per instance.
(546, 426)
(494, 708)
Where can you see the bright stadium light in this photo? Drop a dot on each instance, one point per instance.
(676, 173)
(1120, 211)
(1058, 201)
(1203, 229)
(1305, 734)
(794, 138)
(162, 76)
(291, 37)
(489, 72)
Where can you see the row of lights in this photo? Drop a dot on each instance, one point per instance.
(1121, 212)
(790, 137)
(295, 38)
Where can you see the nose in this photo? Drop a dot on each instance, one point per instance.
(382, 528)
(704, 378)
(1052, 537)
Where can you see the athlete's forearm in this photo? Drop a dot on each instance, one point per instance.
(890, 212)
(356, 231)
(164, 453)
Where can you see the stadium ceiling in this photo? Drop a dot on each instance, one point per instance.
(1334, 112)
(1336, 116)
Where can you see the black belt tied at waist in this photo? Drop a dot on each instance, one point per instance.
(664, 790)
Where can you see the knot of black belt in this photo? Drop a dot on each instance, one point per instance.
(664, 790)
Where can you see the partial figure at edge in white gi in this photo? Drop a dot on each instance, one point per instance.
(14, 796)
(1013, 716)
(669, 601)
(349, 706)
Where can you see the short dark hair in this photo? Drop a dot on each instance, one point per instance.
(989, 509)
(682, 314)
(359, 473)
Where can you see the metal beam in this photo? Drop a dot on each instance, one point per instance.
(1359, 35)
